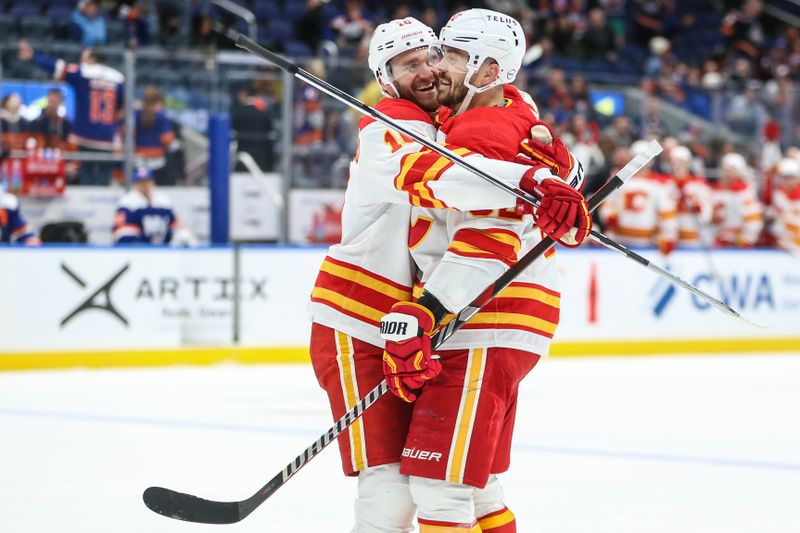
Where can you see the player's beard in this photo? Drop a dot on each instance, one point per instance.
(421, 92)
(451, 92)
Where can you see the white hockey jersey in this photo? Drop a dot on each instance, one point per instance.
(644, 213)
(694, 211)
(786, 224)
(371, 269)
(738, 216)
(459, 254)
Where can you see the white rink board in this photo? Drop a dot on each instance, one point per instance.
(167, 298)
(634, 303)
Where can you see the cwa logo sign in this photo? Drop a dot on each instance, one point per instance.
(742, 291)
(99, 299)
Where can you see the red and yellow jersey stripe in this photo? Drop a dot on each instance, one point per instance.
(521, 306)
(491, 243)
(418, 169)
(356, 292)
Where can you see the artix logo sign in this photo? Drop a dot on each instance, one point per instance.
(99, 299)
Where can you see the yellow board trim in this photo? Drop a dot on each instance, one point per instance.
(300, 355)
(154, 357)
(674, 347)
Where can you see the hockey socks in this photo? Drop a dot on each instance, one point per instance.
(501, 521)
(436, 526)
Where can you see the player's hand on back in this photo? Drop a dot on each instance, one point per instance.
(407, 360)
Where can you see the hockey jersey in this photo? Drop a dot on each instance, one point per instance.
(459, 254)
(13, 228)
(737, 216)
(694, 210)
(644, 213)
(98, 99)
(371, 269)
(786, 224)
(144, 220)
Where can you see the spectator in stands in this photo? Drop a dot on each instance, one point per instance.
(744, 31)
(153, 134)
(13, 126)
(253, 121)
(620, 131)
(51, 127)
(88, 24)
(353, 27)
(599, 41)
(746, 113)
(98, 106)
(582, 139)
(145, 216)
(310, 28)
(203, 34)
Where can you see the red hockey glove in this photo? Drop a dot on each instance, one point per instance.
(563, 213)
(544, 148)
(407, 362)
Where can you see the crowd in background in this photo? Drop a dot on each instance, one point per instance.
(727, 61)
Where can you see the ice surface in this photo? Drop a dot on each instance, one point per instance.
(655, 445)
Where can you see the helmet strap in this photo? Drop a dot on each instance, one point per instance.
(472, 90)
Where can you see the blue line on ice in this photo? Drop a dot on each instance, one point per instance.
(529, 448)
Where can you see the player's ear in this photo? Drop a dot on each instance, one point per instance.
(489, 72)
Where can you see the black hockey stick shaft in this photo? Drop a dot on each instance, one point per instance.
(244, 42)
(190, 508)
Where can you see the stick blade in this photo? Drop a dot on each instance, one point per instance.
(190, 508)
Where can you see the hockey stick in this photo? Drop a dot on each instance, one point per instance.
(253, 47)
(190, 508)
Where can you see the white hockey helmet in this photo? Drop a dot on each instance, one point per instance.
(789, 167)
(486, 34)
(735, 162)
(391, 39)
(680, 153)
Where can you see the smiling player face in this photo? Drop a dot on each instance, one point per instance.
(414, 79)
(450, 67)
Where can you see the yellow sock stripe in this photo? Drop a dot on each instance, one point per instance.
(466, 416)
(351, 396)
(496, 520)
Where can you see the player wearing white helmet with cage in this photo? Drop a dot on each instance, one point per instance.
(645, 212)
(460, 433)
(694, 203)
(370, 271)
(738, 216)
(786, 205)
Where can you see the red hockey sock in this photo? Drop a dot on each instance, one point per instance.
(435, 526)
(501, 521)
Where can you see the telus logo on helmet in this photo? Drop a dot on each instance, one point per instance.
(504, 20)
